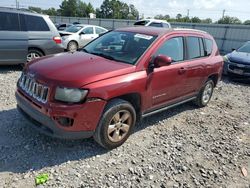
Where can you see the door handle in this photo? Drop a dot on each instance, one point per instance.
(182, 70)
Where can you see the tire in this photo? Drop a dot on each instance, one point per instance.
(72, 46)
(112, 131)
(33, 54)
(205, 94)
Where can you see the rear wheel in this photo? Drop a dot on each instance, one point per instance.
(33, 54)
(72, 46)
(205, 94)
(116, 124)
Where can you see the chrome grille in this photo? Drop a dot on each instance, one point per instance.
(33, 89)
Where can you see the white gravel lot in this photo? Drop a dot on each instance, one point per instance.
(182, 147)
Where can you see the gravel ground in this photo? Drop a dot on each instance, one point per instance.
(181, 147)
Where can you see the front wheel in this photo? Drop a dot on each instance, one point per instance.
(205, 94)
(72, 46)
(116, 124)
(33, 54)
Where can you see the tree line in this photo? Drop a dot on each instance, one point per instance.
(180, 18)
(116, 9)
(76, 8)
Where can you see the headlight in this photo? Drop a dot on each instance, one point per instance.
(225, 58)
(70, 95)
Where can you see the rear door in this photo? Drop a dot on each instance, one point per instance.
(195, 65)
(13, 39)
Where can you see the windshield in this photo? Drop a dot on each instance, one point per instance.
(125, 47)
(73, 28)
(245, 48)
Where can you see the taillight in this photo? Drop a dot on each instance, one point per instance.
(57, 40)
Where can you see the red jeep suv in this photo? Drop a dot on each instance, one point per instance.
(117, 79)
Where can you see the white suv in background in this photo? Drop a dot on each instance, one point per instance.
(153, 23)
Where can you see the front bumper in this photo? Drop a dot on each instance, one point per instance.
(238, 70)
(85, 119)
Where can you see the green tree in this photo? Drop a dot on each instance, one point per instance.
(178, 17)
(229, 20)
(69, 8)
(207, 20)
(117, 10)
(195, 20)
(36, 9)
(51, 12)
(247, 22)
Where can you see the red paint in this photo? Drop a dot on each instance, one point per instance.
(107, 79)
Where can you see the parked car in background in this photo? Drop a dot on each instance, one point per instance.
(25, 36)
(78, 35)
(237, 63)
(62, 26)
(117, 79)
(153, 23)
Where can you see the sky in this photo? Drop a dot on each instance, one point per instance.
(201, 8)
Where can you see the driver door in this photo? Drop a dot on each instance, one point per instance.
(87, 35)
(167, 81)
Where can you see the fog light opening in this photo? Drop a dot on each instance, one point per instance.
(65, 121)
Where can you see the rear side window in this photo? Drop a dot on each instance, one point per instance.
(209, 46)
(172, 48)
(193, 46)
(153, 24)
(9, 22)
(36, 23)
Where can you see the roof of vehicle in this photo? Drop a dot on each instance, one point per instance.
(85, 25)
(23, 11)
(153, 20)
(157, 31)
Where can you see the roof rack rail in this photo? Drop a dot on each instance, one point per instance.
(20, 9)
(188, 29)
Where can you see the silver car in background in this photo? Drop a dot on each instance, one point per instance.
(79, 35)
(25, 35)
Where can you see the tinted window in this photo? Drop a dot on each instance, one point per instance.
(155, 24)
(9, 22)
(99, 30)
(172, 48)
(193, 46)
(209, 46)
(73, 29)
(88, 30)
(36, 23)
(202, 47)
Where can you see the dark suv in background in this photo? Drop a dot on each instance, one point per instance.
(25, 35)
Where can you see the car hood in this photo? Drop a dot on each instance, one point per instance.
(76, 69)
(239, 57)
(65, 33)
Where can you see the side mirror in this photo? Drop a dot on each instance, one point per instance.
(162, 60)
(81, 33)
(233, 49)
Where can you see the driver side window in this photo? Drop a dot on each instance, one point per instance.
(88, 30)
(172, 48)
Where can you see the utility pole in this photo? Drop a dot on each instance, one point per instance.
(223, 13)
(188, 13)
(17, 4)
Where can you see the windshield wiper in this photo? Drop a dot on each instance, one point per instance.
(103, 55)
